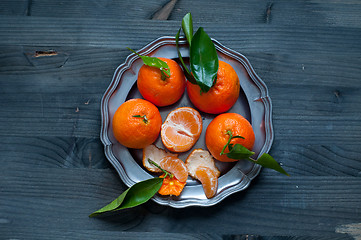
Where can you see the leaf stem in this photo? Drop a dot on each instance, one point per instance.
(165, 171)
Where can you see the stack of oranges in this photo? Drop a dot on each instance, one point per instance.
(137, 123)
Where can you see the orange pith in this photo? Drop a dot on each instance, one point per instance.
(136, 132)
(181, 129)
(217, 137)
(158, 91)
(209, 181)
(175, 166)
(222, 96)
(171, 186)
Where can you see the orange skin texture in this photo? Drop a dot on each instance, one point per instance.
(161, 92)
(222, 96)
(133, 132)
(171, 186)
(217, 137)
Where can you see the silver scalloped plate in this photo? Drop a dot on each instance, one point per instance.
(253, 103)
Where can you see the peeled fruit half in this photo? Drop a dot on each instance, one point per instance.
(155, 154)
(175, 166)
(166, 160)
(202, 167)
(181, 129)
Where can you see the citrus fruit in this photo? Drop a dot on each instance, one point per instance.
(201, 166)
(181, 129)
(158, 91)
(222, 96)
(155, 154)
(175, 166)
(136, 123)
(217, 136)
(209, 181)
(171, 186)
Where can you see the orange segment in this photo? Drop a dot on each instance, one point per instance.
(175, 166)
(155, 154)
(209, 180)
(181, 129)
(171, 186)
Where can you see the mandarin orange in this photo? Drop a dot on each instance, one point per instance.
(176, 167)
(222, 96)
(217, 137)
(158, 91)
(201, 166)
(181, 129)
(136, 123)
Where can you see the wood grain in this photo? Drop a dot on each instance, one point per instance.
(122, 33)
(135, 9)
(54, 172)
(270, 202)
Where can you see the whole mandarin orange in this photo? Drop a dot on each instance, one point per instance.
(217, 137)
(158, 91)
(136, 123)
(222, 96)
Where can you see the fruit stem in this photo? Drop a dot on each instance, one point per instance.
(164, 75)
(165, 171)
(229, 132)
(145, 119)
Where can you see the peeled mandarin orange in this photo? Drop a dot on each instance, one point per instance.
(136, 123)
(155, 154)
(222, 96)
(181, 129)
(209, 181)
(175, 166)
(217, 137)
(201, 166)
(171, 186)
(158, 91)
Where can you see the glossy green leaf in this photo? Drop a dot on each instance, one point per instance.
(186, 71)
(239, 152)
(187, 26)
(137, 194)
(155, 62)
(268, 161)
(203, 60)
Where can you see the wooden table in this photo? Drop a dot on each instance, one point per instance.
(58, 57)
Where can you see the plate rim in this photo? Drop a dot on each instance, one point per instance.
(267, 118)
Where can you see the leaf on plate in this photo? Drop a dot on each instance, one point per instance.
(155, 62)
(203, 60)
(137, 194)
(238, 151)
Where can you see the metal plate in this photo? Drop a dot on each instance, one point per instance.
(253, 103)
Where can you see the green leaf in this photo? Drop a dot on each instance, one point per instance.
(204, 60)
(137, 194)
(237, 151)
(268, 161)
(187, 26)
(155, 62)
(187, 73)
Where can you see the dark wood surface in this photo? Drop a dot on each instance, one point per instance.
(54, 172)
